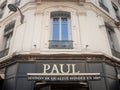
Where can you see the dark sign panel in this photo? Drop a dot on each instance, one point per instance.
(62, 71)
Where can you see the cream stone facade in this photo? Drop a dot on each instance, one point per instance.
(91, 23)
(87, 27)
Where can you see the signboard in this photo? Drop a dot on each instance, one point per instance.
(64, 77)
(62, 72)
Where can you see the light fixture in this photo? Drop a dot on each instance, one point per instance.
(14, 8)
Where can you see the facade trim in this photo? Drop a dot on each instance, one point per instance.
(34, 58)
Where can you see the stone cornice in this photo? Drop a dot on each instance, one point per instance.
(82, 57)
(117, 2)
(100, 12)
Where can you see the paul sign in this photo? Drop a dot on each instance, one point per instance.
(62, 72)
(59, 68)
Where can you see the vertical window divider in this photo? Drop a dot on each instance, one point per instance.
(60, 31)
(51, 31)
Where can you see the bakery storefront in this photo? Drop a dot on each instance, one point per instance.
(60, 75)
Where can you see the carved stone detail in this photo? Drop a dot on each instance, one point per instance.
(81, 13)
(39, 13)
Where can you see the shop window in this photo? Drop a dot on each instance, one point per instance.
(2, 8)
(113, 41)
(61, 31)
(102, 5)
(8, 31)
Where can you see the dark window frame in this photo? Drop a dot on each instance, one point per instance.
(116, 9)
(61, 42)
(102, 5)
(8, 32)
(112, 40)
(2, 7)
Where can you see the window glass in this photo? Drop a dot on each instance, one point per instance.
(64, 32)
(101, 1)
(110, 37)
(55, 34)
(60, 31)
(60, 28)
(2, 7)
(8, 39)
(103, 4)
(8, 33)
(17, 2)
(60, 25)
(113, 41)
(117, 12)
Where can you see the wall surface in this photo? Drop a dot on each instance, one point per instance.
(88, 30)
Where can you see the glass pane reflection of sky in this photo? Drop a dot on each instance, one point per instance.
(55, 29)
(57, 22)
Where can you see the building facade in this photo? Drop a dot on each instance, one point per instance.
(60, 45)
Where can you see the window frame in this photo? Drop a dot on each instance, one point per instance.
(60, 27)
(17, 2)
(2, 8)
(61, 42)
(113, 40)
(116, 10)
(7, 38)
(103, 5)
(8, 33)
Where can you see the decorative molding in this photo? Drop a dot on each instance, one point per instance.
(60, 7)
(38, 1)
(39, 13)
(100, 12)
(81, 2)
(81, 13)
(74, 27)
(46, 27)
(82, 57)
